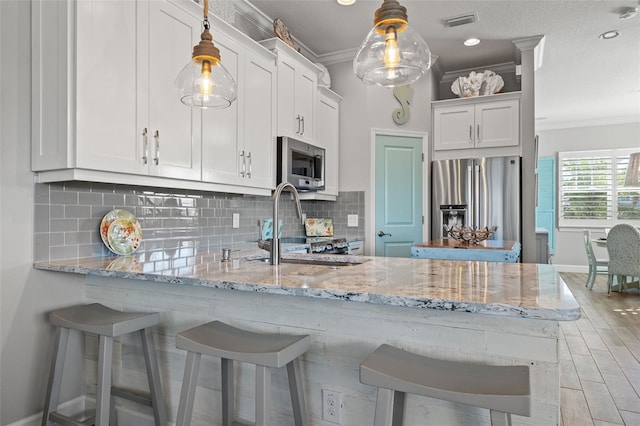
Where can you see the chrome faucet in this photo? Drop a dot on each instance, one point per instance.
(275, 241)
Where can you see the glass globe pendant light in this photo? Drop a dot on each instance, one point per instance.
(393, 54)
(204, 82)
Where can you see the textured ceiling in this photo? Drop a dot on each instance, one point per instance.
(583, 79)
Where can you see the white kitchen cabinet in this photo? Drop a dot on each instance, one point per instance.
(104, 92)
(297, 88)
(238, 143)
(328, 135)
(482, 122)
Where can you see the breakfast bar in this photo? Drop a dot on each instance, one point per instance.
(482, 312)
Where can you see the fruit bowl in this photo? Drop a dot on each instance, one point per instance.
(468, 235)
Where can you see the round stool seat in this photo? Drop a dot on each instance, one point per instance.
(99, 319)
(225, 341)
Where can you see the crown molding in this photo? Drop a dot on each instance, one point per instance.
(535, 43)
(264, 24)
(607, 121)
(504, 68)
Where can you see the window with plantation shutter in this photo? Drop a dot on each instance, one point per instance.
(591, 191)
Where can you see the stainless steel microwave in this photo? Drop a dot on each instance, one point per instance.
(301, 164)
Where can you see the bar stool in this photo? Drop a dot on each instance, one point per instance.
(504, 390)
(107, 324)
(233, 344)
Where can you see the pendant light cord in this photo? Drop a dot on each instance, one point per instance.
(205, 11)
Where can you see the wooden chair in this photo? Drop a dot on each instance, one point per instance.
(596, 266)
(623, 245)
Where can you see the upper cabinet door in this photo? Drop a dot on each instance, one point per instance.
(327, 137)
(306, 84)
(289, 123)
(453, 127)
(259, 120)
(174, 128)
(108, 132)
(497, 124)
(297, 91)
(222, 156)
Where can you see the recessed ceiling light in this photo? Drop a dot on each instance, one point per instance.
(472, 42)
(628, 13)
(346, 2)
(609, 35)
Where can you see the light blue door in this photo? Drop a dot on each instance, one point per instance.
(398, 187)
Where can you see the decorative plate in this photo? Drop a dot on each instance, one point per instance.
(322, 227)
(109, 218)
(124, 236)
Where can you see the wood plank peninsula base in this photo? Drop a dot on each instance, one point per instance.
(493, 313)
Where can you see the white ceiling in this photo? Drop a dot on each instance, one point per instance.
(583, 80)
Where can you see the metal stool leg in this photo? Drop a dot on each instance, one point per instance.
(55, 377)
(297, 394)
(389, 408)
(263, 386)
(228, 407)
(187, 394)
(499, 418)
(103, 396)
(153, 376)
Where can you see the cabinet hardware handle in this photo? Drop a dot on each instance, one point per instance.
(302, 119)
(244, 164)
(156, 160)
(145, 146)
(298, 119)
(470, 133)
(478, 133)
(382, 234)
(249, 158)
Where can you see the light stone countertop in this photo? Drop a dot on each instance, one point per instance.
(509, 289)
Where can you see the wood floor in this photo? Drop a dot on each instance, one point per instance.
(600, 357)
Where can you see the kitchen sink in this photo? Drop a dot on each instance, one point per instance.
(318, 260)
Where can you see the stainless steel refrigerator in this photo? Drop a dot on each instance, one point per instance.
(477, 192)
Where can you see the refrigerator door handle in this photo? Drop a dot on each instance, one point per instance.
(470, 196)
(476, 195)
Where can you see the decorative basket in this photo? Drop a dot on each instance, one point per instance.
(468, 235)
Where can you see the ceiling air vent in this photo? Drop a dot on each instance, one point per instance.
(456, 21)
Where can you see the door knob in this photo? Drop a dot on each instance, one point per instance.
(382, 234)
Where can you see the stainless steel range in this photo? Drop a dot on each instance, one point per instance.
(328, 245)
(319, 232)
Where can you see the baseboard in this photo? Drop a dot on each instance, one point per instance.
(572, 268)
(126, 417)
(75, 405)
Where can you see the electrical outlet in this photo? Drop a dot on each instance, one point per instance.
(303, 218)
(352, 220)
(331, 406)
(236, 220)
